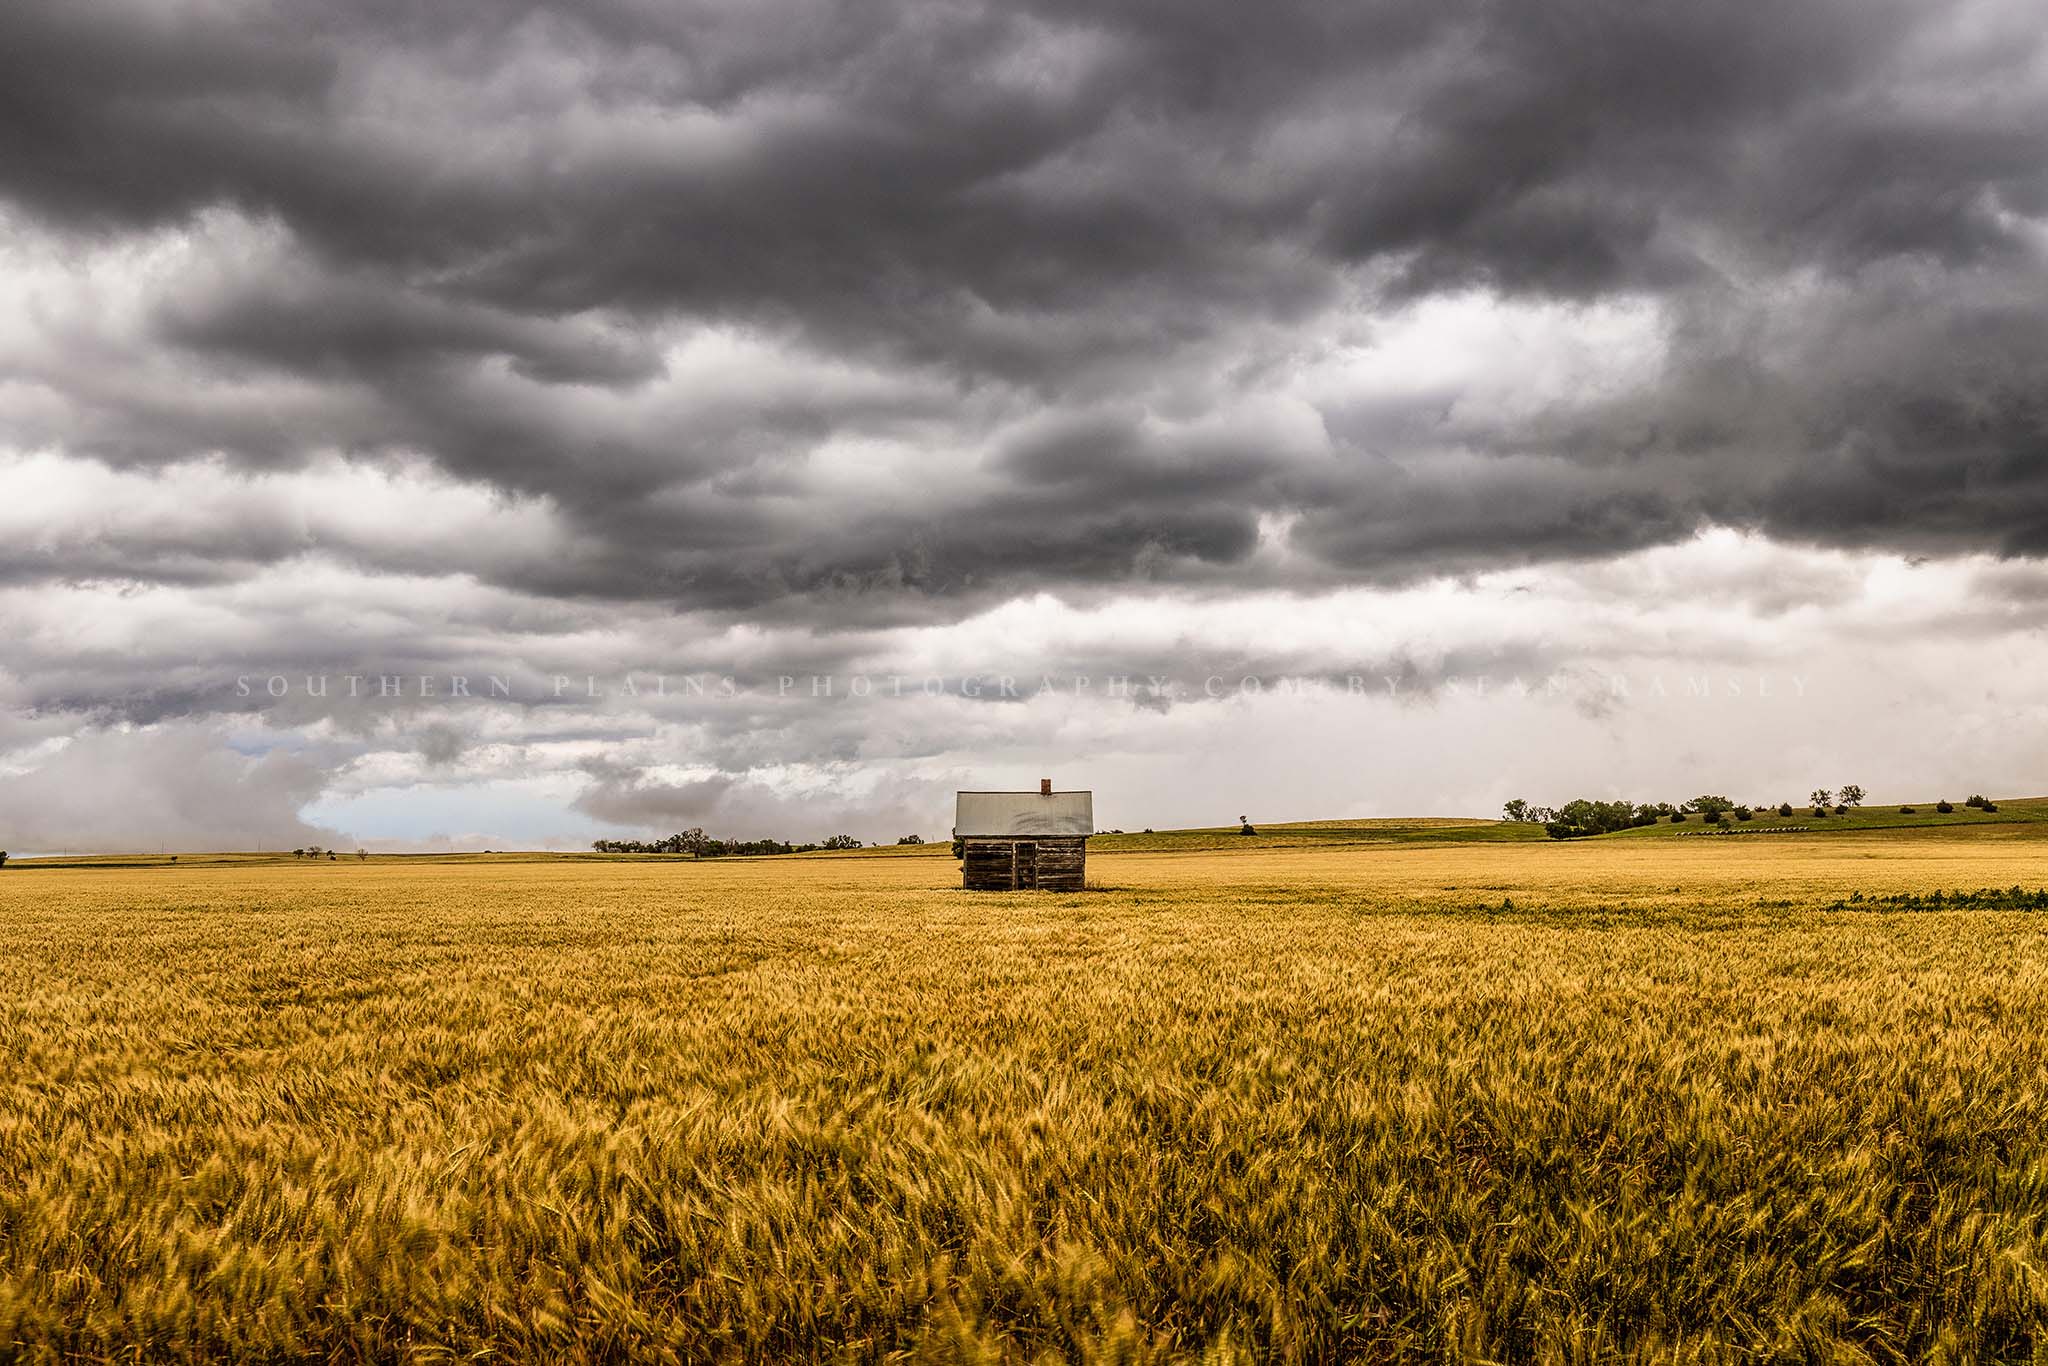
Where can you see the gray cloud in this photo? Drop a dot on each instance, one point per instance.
(724, 806)
(173, 788)
(484, 226)
(536, 337)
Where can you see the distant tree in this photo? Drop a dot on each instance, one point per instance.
(1944, 806)
(364, 853)
(3, 858)
(1852, 795)
(840, 842)
(1784, 808)
(1517, 811)
(911, 839)
(1822, 797)
(1244, 826)
(1709, 806)
(1743, 813)
(959, 847)
(1977, 800)
(1585, 816)
(1678, 818)
(1713, 817)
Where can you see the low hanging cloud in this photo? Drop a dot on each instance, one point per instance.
(165, 788)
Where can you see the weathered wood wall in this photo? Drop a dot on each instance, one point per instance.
(1062, 864)
(989, 864)
(985, 865)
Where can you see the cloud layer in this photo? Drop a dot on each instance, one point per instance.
(790, 336)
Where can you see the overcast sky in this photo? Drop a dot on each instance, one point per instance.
(783, 413)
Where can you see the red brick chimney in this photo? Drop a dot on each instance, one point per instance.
(1045, 787)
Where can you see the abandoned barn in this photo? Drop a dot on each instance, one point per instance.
(1011, 841)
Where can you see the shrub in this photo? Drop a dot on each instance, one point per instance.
(1784, 808)
(3, 858)
(1944, 807)
(1841, 810)
(1588, 816)
(1713, 817)
(1678, 818)
(1988, 807)
(1976, 800)
(1905, 811)
(911, 839)
(1743, 813)
(1820, 813)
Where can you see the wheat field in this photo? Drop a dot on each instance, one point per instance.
(1654, 1100)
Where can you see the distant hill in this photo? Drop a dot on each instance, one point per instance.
(2011, 817)
(1295, 834)
(2012, 811)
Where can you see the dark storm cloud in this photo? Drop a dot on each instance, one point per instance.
(1067, 248)
(365, 326)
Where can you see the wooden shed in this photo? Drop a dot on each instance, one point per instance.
(1013, 841)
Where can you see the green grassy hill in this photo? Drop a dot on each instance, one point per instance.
(1296, 834)
(2011, 811)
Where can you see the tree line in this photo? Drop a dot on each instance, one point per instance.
(1588, 816)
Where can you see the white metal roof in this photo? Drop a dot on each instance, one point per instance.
(1024, 813)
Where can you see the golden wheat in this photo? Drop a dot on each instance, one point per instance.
(1500, 1102)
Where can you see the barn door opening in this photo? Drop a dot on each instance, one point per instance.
(1026, 872)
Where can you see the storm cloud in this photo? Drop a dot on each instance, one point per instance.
(559, 338)
(487, 235)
